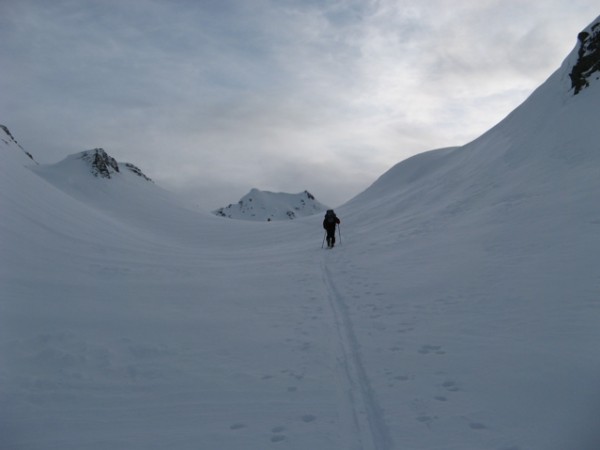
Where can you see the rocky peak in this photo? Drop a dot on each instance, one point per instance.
(105, 166)
(588, 60)
(102, 164)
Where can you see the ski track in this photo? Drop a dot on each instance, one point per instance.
(366, 416)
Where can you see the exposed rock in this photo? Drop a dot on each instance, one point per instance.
(102, 164)
(588, 61)
(137, 171)
(11, 138)
(105, 166)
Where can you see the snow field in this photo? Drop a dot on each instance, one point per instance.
(460, 311)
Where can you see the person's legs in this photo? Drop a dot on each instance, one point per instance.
(330, 238)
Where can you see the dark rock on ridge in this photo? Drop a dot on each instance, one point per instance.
(102, 164)
(588, 61)
(137, 171)
(11, 137)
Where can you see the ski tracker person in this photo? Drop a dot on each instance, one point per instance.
(329, 223)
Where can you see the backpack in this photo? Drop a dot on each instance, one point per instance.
(330, 217)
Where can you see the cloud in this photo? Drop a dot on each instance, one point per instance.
(212, 98)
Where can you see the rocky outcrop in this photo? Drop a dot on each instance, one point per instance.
(10, 138)
(102, 165)
(137, 171)
(105, 166)
(588, 60)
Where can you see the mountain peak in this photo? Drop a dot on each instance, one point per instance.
(102, 164)
(588, 57)
(105, 166)
(266, 206)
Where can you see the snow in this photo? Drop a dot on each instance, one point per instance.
(460, 311)
(266, 206)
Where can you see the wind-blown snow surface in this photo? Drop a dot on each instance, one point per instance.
(461, 310)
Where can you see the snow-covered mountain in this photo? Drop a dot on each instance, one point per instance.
(490, 252)
(546, 146)
(122, 191)
(94, 162)
(266, 206)
(460, 311)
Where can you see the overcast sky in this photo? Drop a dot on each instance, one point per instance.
(211, 98)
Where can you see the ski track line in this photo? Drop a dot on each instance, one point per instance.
(367, 416)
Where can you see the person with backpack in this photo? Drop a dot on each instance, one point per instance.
(329, 223)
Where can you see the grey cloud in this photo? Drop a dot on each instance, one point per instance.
(217, 95)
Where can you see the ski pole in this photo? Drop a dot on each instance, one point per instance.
(323, 243)
(340, 233)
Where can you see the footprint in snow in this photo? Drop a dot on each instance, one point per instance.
(277, 437)
(427, 349)
(450, 386)
(425, 419)
(402, 378)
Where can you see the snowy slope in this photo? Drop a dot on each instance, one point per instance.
(131, 197)
(487, 258)
(266, 206)
(118, 332)
(122, 191)
(460, 311)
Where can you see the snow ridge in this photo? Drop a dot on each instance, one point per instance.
(136, 170)
(78, 167)
(9, 139)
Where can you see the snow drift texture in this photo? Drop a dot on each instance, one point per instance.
(460, 312)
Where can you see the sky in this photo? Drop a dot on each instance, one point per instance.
(211, 98)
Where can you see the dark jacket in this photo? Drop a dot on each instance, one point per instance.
(330, 221)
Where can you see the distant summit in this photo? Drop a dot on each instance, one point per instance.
(266, 206)
(95, 177)
(588, 57)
